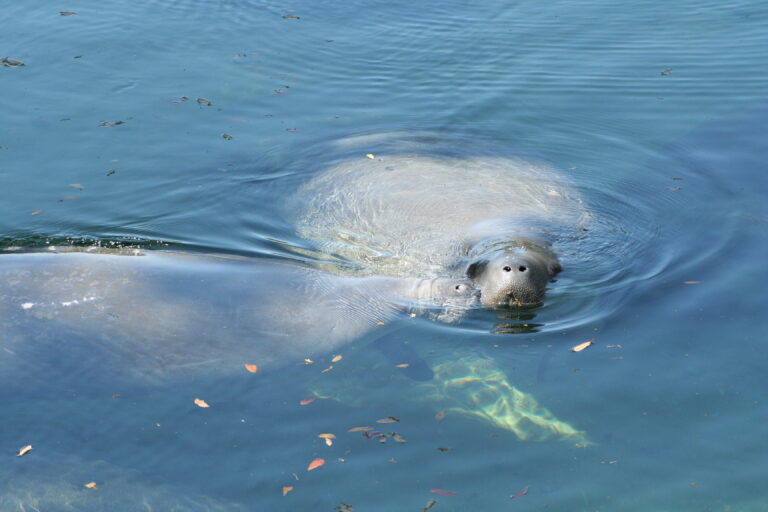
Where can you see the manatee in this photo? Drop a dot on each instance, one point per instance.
(494, 220)
(75, 317)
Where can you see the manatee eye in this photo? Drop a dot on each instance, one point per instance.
(507, 269)
(522, 268)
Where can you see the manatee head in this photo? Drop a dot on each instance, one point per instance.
(514, 276)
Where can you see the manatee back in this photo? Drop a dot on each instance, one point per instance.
(416, 215)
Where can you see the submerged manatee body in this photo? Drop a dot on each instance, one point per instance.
(157, 316)
(494, 220)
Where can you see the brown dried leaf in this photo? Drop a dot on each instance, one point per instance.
(315, 464)
(402, 365)
(336, 359)
(360, 429)
(691, 282)
(582, 346)
(308, 401)
(201, 403)
(287, 489)
(251, 368)
(91, 485)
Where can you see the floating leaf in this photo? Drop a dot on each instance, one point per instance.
(666, 72)
(582, 346)
(440, 416)
(201, 403)
(327, 369)
(37, 212)
(402, 365)
(691, 282)
(519, 494)
(251, 368)
(91, 485)
(328, 438)
(308, 401)
(443, 449)
(443, 492)
(226, 136)
(694, 485)
(6, 62)
(369, 155)
(77, 186)
(111, 172)
(308, 361)
(290, 17)
(287, 489)
(67, 13)
(336, 359)
(429, 505)
(315, 464)
(379, 323)
(397, 437)
(360, 429)
(24, 450)
(388, 419)
(204, 101)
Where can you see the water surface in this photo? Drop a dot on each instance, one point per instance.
(656, 112)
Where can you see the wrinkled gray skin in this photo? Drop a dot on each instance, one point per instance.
(490, 219)
(74, 318)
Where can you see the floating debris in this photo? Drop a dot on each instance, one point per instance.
(290, 17)
(388, 419)
(77, 186)
(519, 494)
(204, 101)
(691, 282)
(582, 346)
(440, 416)
(37, 212)
(67, 13)
(328, 438)
(9, 63)
(91, 485)
(315, 464)
(336, 359)
(110, 123)
(360, 429)
(429, 505)
(442, 449)
(226, 136)
(443, 492)
(111, 172)
(369, 155)
(287, 489)
(201, 403)
(24, 450)
(251, 368)
(308, 401)
(666, 72)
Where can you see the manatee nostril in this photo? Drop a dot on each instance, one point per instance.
(507, 269)
(522, 268)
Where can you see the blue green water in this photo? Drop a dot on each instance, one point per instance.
(656, 110)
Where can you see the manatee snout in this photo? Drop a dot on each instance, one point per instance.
(513, 277)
